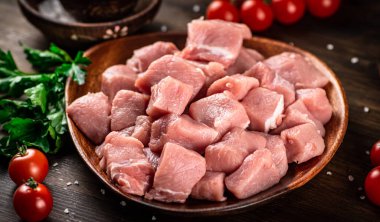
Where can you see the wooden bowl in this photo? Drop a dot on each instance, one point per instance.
(76, 35)
(118, 51)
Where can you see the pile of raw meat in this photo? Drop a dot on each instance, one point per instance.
(213, 118)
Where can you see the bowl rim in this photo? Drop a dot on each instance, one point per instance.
(152, 4)
(235, 207)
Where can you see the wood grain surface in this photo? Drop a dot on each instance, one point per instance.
(354, 31)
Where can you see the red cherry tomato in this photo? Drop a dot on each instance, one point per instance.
(28, 163)
(32, 201)
(375, 154)
(222, 10)
(323, 8)
(257, 15)
(288, 11)
(372, 185)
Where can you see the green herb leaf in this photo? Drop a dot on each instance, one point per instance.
(58, 51)
(7, 61)
(37, 96)
(42, 60)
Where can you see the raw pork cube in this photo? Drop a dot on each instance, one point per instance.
(277, 147)
(212, 70)
(257, 173)
(297, 69)
(219, 112)
(109, 137)
(169, 96)
(297, 114)
(245, 60)
(264, 108)
(237, 85)
(215, 40)
(90, 114)
(302, 142)
(153, 158)
(182, 130)
(144, 56)
(141, 130)
(116, 78)
(126, 106)
(317, 103)
(175, 67)
(177, 173)
(126, 164)
(271, 80)
(210, 187)
(228, 154)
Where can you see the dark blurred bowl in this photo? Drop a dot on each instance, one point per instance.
(98, 10)
(70, 33)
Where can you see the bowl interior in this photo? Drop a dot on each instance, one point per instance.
(54, 11)
(118, 51)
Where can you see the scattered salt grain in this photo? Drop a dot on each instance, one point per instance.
(55, 164)
(66, 211)
(362, 197)
(360, 188)
(329, 173)
(68, 184)
(76, 182)
(366, 109)
(330, 47)
(350, 178)
(154, 218)
(367, 152)
(60, 179)
(354, 60)
(196, 8)
(123, 203)
(164, 28)
(103, 191)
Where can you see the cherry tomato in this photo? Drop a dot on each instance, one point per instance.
(372, 185)
(288, 11)
(323, 8)
(375, 154)
(222, 10)
(32, 201)
(28, 163)
(257, 15)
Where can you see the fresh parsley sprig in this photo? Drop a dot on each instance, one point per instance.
(32, 110)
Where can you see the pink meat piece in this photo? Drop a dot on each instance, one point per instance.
(177, 173)
(245, 60)
(153, 158)
(169, 96)
(257, 173)
(116, 78)
(212, 70)
(210, 187)
(271, 80)
(317, 103)
(90, 114)
(109, 137)
(126, 164)
(141, 130)
(297, 69)
(215, 41)
(182, 130)
(277, 147)
(144, 56)
(297, 114)
(220, 112)
(264, 108)
(302, 143)
(228, 154)
(126, 106)
(237, 85)
(175, 67)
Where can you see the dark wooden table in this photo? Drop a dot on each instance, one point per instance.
(354, 31)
